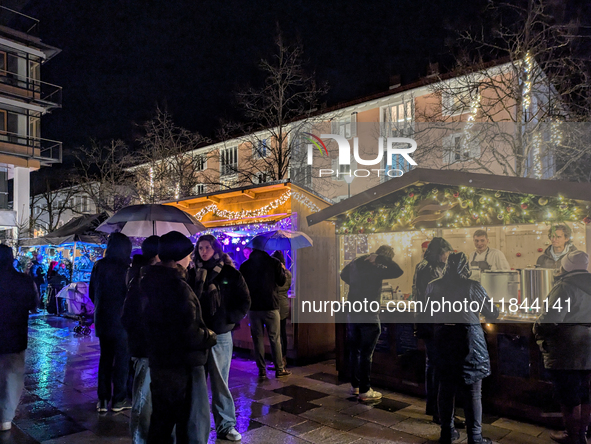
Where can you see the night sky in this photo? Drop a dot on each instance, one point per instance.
(121, 59)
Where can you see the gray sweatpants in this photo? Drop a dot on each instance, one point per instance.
(258, 321)
(12, 382)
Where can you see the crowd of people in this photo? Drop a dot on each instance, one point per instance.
(457, 358)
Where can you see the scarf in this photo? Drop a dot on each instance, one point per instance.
(204, 286)
(558, 256)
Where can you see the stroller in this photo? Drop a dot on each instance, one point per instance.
(80, 307)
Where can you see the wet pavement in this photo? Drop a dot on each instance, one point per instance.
(59, 401)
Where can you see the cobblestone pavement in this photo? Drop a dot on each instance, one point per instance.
(58, 404)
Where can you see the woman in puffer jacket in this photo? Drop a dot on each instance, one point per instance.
(564, 336)
(462, 359)
(225, 301)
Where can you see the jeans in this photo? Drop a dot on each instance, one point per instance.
(258, 321)
(171, 403)
(283, 329)
(141, 409)
(12, 382)
(362, 339)
(198, 421)
(472, 394)
(431, 378)
(113, 368)
(218, 368)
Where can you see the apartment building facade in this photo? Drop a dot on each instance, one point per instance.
(24, 99)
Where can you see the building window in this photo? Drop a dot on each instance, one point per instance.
(199, 189)
(261, 177)
(85, 204)
(457, 100)
(398, 119)
(229, 161)
(200, 162)
(457, 149)
(2, 121)
(302, 175)
(345, 126)
(261, 149)
(2, 63)
(228, 183)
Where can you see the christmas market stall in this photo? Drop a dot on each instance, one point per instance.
(71, 250)
(236, 216)
(516, 214)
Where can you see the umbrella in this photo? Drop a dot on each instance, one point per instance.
(281, 240)
(146, 220)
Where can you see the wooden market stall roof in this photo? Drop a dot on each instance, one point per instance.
(422, 176)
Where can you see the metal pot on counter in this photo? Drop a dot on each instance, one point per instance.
(500, 284)
(536, 284)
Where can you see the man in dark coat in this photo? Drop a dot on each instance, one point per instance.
(264, 275)
(461, 359)
(364, 276)
(429, 269)
(18, 296)
(107, 290)
(564, 335)
(177, 342)
(134, 322)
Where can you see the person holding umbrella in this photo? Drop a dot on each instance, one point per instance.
(225, 300)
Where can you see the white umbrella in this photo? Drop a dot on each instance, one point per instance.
(281, 240)
(149, 219)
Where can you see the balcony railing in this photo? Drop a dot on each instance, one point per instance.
(32, 90)
(18, 21)
(44, 150)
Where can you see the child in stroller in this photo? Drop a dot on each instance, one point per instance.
(80, 307)
(84, 323)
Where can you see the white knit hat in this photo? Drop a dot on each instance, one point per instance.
(575, 260)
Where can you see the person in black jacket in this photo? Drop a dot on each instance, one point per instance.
(134, 323)
(461, 358)
(107, 290)
(225, 301)
(283, 304)
(364, 276)
(264, 275)
(177, 343)
(429, 269)
(18, 296)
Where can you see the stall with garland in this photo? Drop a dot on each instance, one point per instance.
(406, 212)
(235, 216)
(72, 249)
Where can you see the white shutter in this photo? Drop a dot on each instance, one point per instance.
(474, 148)
(334, 127)
(447, 103)
(353, 124)
(334, 165)
(448, 152)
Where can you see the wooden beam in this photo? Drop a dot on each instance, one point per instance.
(214, 199)
(249, 193)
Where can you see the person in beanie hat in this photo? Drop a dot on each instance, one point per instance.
(134, 323)
(107, 290)
(564, 338)
(18, 296)
(177, 343)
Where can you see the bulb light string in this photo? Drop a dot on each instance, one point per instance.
(213, 208)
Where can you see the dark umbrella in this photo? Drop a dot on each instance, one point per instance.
(149, 219)
(281, 240)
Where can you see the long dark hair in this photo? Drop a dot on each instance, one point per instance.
(6, 257)
(436, 248)
(215, 244)
(278, 254)
(118, 247)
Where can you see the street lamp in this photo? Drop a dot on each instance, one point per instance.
(349, 179)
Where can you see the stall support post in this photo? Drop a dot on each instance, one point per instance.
(588, 238)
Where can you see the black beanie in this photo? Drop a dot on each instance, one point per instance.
(174, 246)
(150, 246)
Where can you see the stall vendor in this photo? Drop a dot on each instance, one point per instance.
(486, 258)
(560, 236)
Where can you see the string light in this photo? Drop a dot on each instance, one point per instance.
(305, 201)
(244, 213)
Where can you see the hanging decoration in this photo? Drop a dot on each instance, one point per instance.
(301, 198)
(434, 206)
(244, 213)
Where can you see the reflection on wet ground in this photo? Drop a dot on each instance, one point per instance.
(58, 404)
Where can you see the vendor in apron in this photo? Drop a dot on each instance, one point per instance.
(486, 258)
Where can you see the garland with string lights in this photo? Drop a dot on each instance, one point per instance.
(244, 213)
(459, 207)
(305, 201)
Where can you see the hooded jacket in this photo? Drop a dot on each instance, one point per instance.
(547, 261)
(283, 298)
(234, 295)
(263, 275)
(176, 334)
(564, 331)
(460, 344)
(18, 295)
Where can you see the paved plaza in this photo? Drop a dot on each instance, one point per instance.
(58, 404)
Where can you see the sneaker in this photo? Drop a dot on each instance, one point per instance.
(484, 441)
(121, 405)
(282, 373)
(455, 435)
(232, 435)
(102, 406)
(370, 395)
(355, 391)
(6, 426)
